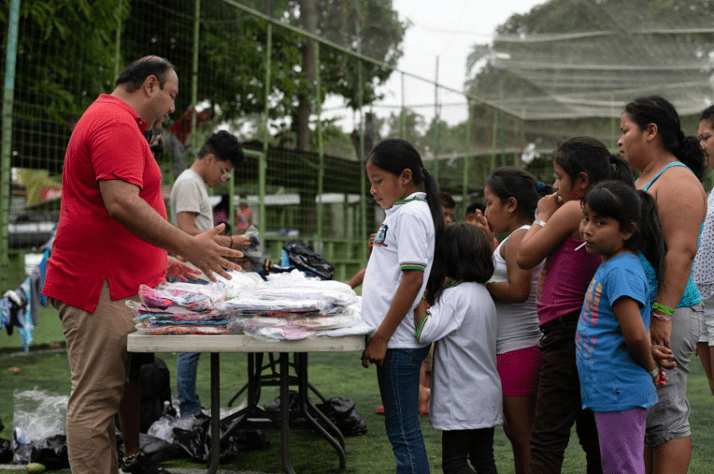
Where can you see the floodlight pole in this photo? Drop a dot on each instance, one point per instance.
(5, 161)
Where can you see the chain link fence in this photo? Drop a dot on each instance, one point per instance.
(301, 83)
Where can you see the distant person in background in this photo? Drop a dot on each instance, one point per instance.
(243, 217)
(191, 211)
(155, 137)
(181, 128)
(220, 212)
(472, 211)
(448, 205)
(358, 277)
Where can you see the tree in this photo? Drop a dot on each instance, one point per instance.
(568, 66)
(65, 58)
(232, 53)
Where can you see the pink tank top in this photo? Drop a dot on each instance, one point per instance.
(564, 280)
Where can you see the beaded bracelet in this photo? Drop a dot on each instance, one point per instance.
(662, 317)
(663, 308)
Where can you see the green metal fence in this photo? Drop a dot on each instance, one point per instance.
(258, 69)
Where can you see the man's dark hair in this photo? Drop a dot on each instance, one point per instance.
(446, 200)
(225, 147)
(136, 73)
(474, 206)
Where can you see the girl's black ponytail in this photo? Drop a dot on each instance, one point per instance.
(621, 171)
(690, 153)
(649, 234)
(438, 271)
(432, 198)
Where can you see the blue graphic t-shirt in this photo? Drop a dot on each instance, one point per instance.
(610, 379)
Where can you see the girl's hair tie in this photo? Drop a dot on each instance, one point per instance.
(540, 186)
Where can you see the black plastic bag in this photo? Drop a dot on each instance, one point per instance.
(155, 393)
(5, 448)
(306, 260)
(5, 451)
(196, 441)
(50, 452)
(273, 406)
(340, 411)
(343, 414)
(155, 449)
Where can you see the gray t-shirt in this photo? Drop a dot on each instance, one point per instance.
(189, 194)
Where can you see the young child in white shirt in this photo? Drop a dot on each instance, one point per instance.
(466, 400)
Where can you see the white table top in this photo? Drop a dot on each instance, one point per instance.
(239, 343)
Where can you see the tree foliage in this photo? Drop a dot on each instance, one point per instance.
(569, 66)
(66, 57)
(233, 44)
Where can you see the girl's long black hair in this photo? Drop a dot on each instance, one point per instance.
(628, 206)
(395, 155)
(507, 182)
(590, 156)
(463, 253)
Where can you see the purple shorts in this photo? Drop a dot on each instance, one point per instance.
(622, 440)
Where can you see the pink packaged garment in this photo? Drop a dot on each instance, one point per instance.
(167, 295)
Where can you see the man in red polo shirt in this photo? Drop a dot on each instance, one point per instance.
(112, 237)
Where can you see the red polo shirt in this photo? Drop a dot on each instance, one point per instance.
(91, 246)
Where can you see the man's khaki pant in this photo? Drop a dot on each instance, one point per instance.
(96, 349)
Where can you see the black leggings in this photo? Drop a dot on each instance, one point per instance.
(461, 446)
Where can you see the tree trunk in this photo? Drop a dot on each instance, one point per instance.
(308, 15)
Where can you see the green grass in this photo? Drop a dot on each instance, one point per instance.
(334, 375)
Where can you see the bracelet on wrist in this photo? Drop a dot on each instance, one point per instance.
(654, 373)
(663, 317)
(539, 222)
(664, 309)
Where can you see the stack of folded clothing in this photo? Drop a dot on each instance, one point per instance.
(285, 307)
(181, 308)
(290, 307)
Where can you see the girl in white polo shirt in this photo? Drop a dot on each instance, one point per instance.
(395, 280)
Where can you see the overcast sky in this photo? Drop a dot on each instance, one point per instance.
(446, 29)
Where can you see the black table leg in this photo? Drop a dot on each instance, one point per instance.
(285, 412)
(306, 407)
(215, 414)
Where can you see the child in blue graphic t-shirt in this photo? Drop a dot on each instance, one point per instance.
(618, 366)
